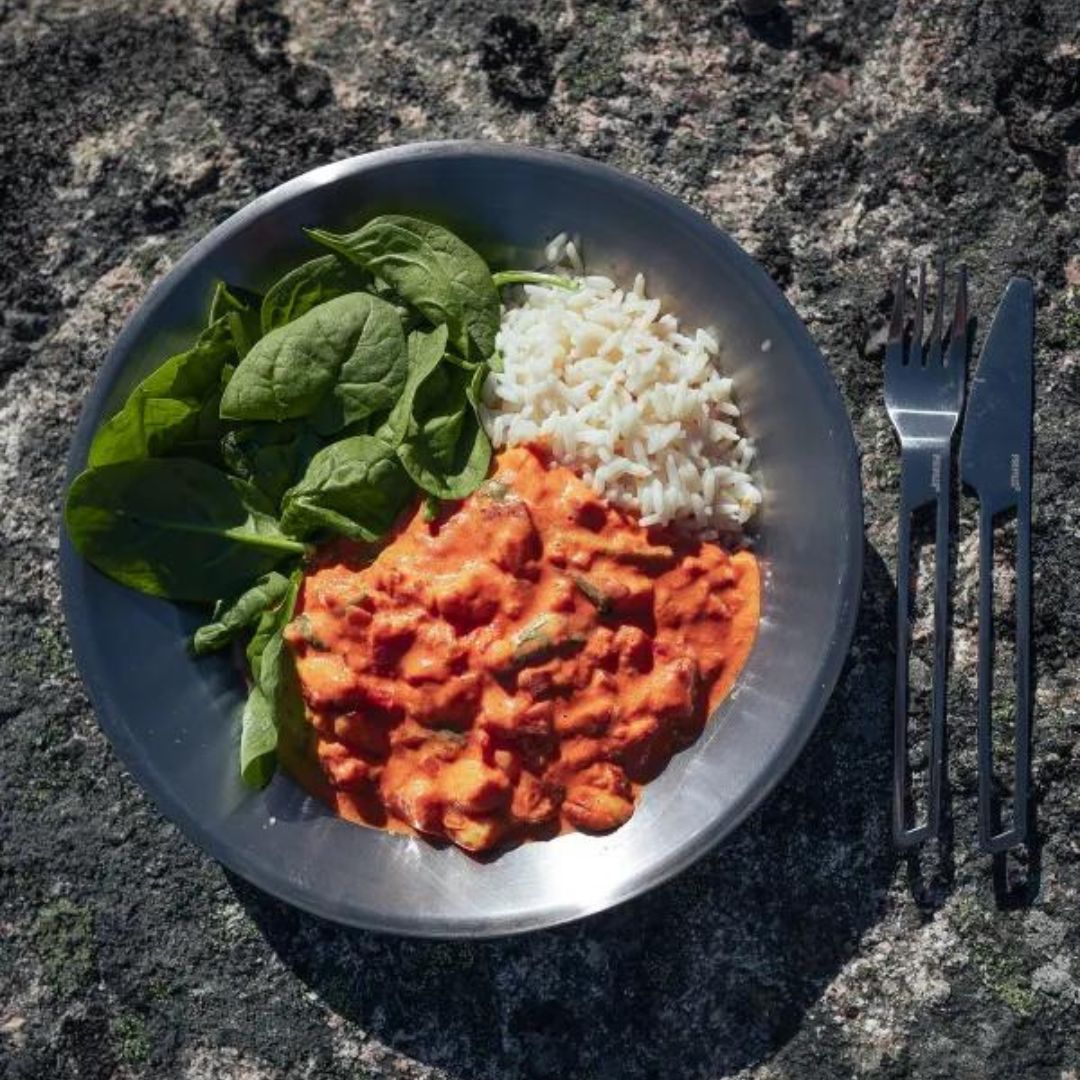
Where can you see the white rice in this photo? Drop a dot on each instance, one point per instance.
(637, 407)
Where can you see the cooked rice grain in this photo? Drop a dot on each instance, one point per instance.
(620, 394)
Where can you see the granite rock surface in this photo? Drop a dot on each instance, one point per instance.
(833, 138)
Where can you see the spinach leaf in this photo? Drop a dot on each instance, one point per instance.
(274, 706)
(166, 409)
(273, 716)
(258, 739)
(447, 452)
(355, 487)
(245, 331)
(270, 456)
(174, 527)
(240, 308)
(310, 284)
(340, 362)
(256, 646)
(227, 298)
(425, 352)
(204, 441)
(433, 271)
(229, 620)
(533, 277)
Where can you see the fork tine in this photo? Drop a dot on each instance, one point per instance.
(915, 355)
(894, 348)
(938, 335)
(896, 326)
(957, 353)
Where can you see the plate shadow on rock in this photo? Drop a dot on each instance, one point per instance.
(707, 974)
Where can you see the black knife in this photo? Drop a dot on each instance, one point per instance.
(995, 462)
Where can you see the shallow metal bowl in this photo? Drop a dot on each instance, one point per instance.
(174, 721)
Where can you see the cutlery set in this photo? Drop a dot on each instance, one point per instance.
(925, 399)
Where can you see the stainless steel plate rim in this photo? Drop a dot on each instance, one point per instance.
(463, 923)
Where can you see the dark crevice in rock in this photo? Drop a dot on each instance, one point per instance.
(775, 252)
(261, 31)
(774, 27)
(517, 62)
(835, 44)
(308, 86)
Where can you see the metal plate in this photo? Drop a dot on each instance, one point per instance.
(174, 721)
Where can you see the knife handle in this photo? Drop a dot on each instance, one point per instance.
(992, 838)
(924, 478)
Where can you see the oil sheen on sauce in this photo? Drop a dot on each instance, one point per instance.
(518, 667)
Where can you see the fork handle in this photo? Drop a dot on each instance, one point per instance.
(1004, 839)
(924, 478)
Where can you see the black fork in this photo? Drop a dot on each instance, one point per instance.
(924, 395)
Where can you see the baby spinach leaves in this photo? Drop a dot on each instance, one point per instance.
(240, 309)
(230, 620)
(355, 487)
(431, 270)
(274, 702)
(324, 407)
(434, 426)
(272, 457)
(175, 528)
(426, 350)
(309, 285)
(447, 452)
(166, 409)
(339, 362)
(258, 738)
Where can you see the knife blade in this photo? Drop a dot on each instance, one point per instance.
(995, 461)
(995, 448)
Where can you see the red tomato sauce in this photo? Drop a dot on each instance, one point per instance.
(518, 667)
